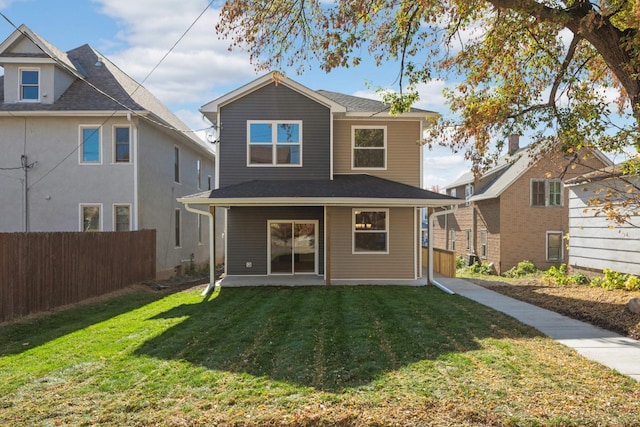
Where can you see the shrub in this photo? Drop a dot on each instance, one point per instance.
(580, 279)
(558, 275)
(522, 269)
(613, 279)
(460, 262)
(480, 268)
(632, 283)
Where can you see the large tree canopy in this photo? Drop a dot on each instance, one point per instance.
(521, 65)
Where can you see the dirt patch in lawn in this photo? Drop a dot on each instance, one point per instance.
(598, 306)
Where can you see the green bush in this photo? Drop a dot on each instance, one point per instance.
(522, 269)
(558, 275)
(632, 283)
(480, 268)
(580, 279)
(460, 262)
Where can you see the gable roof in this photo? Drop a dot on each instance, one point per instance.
(506, 171)
(356, 189)
(339, 103)
(101, 88)
(213, 106)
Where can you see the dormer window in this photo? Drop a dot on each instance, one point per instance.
(29, 84)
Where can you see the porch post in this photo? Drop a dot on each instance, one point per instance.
(327, 245)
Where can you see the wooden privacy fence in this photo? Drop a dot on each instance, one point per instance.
(444, 262)
(41, 271)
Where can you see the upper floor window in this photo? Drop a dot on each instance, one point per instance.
(468, 192)
(545, 192)
(274, 143)
(199, 174)
(453, 192)
(370, 231)
(122, 144)
(29, 84)
(90, 145)
(176, 164)
(369, 147)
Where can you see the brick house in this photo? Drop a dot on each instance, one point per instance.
(515, 211)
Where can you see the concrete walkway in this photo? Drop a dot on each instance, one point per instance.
(602, 346)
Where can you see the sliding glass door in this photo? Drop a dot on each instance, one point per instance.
(293, 247)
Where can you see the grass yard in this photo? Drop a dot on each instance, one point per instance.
(298, 356)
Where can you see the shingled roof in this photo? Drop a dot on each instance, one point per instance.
(99, 86)
(355, 188)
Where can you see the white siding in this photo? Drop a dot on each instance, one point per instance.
(595, 242)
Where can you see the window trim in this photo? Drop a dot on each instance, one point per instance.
(274, 144)
(81, 218)
(37, 85)
(199, 173)
(115, 223)
(467, 233)
(353, 146)
(546, 250)
(484, 247)
(354, 231)
(115, 145)
(81, 143)
(468, 193)
(177, 228)
(547, 193)
(452, 239)
(176, 164)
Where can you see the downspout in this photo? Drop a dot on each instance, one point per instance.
(430, 270)
(212, 239)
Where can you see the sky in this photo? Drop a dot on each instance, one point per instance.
(136, 34)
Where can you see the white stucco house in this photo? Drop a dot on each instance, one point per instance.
(86, 148)
(596, 242)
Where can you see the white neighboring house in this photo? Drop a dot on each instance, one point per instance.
(86, 148)
(595, 242)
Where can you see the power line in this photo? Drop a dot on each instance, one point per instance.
(138, 85)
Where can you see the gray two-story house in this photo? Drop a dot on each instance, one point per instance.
(86, 148)
(317, 183)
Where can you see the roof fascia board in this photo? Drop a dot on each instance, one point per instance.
(72, 113)
(320, 201)
(213, 106)
(26, 60)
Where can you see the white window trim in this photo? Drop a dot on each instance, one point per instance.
(116, 205)
(113, 139)
(199, 174)
(468, 193)
(81, 216)
(546, 246)
(274, 143)
(353, 231)
(179, 223)
(179, 159)
(486, 244)
(452, 238)
(20, 70)
(81, 144)
(353, 147)
(547, 193)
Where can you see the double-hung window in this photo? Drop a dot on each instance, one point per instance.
(274, 143)
(369, 144)
(122, 144)
(546, 192)
(90, 218)
(483, 244)
(370, 231)
(29, 84)
(122, 217)
(90, 144)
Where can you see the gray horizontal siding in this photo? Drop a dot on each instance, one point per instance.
(274, 103)
(247, 235)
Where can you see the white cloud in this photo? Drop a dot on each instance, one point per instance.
(199, 62)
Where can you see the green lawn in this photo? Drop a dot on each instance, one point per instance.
(299, 356)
